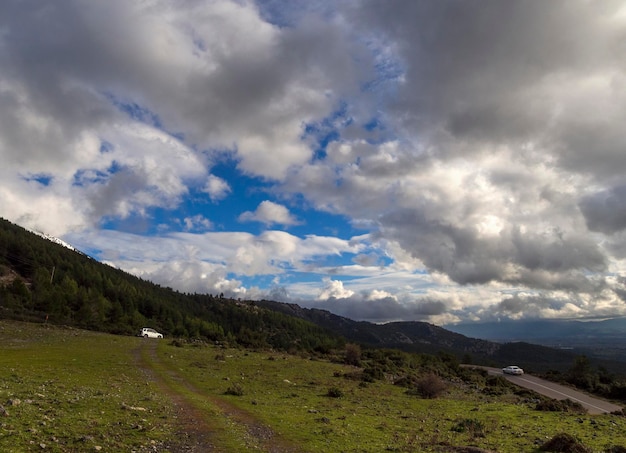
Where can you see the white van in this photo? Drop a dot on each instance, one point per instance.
(147, 332)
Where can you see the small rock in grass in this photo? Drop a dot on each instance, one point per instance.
(132, 408)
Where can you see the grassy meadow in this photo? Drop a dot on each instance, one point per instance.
(68, 390)
(73, 390)
(291, 394)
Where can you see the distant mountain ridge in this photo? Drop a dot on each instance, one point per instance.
(422, 337)
(603, 338)
(544, 329)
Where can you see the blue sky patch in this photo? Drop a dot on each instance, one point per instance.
(44, 179)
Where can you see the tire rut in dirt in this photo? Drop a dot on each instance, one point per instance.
(195, 435)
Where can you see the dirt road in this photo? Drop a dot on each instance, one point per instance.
(195, 431)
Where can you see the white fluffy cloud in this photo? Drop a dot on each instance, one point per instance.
(217, 188)
(335, 289)
(270, 213)
(199, 260)
(478, 148)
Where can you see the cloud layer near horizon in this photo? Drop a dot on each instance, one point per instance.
(477, 147)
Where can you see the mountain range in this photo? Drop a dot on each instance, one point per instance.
(599, 338)
(88, 294)
(422, 337)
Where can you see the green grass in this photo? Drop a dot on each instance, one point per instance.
(80, 390)
(77, 391)
(290, 393)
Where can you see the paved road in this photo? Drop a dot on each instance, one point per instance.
(558, 392)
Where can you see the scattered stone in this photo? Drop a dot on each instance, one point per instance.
(132, 408)
(467, 450)
(14, 402)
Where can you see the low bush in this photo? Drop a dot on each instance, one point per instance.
(177, 343)
(567, 405)
(373, 373)
(497, 385)
(235, 390)
(430, 386)
(564, 443)
(334, 392)
(474, 427)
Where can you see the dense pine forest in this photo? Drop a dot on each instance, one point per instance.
(46, 282)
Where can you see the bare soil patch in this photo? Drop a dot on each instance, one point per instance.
(195, 433)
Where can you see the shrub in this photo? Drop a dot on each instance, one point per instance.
(373, 373)
(497, 385)
(564, 443)
(550, 405)
(177, 343)
(236, 390)
(334, 392)
(470, 425)
(353, 354)
(430, 386)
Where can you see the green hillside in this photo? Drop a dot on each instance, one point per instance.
(43, 281)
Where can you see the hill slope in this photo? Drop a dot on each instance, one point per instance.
(43, 280)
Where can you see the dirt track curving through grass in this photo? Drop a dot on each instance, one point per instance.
(196, 433)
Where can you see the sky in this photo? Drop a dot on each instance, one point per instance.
(443, 161)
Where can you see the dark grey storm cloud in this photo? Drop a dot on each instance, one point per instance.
(474, 67)
(382, 309)
(606, 211)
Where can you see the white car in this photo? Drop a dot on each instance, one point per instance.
(147, 332)
(512, 369)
